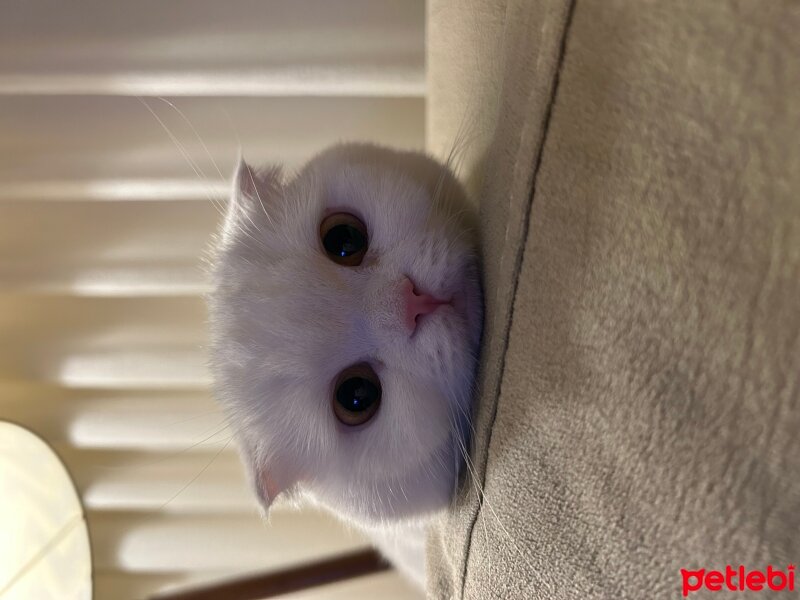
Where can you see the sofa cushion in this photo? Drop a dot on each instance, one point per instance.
(638, 398)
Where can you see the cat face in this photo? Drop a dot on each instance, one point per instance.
(346, 318)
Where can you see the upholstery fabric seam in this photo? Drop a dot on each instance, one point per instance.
(517, 269)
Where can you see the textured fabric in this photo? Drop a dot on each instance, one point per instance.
(638, 408)
(504, 204)
(464, 42)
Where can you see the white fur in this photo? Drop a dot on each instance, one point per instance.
(286, 320)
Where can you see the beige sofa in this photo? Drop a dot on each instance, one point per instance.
(637, 165)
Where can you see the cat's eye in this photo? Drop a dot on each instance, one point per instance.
(357, 395)
(344, 238)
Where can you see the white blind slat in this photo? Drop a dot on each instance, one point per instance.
(103, 227)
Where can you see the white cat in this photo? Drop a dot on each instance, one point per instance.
(346, 318)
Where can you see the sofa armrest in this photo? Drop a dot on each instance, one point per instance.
(638, 398)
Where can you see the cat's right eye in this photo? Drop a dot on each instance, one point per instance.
(357, 395)
(344, 238)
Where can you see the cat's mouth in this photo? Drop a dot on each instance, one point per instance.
(419, 305)
(462, 301)
(420, 320)
(468, 305)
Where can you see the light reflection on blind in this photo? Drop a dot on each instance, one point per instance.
(105, 217)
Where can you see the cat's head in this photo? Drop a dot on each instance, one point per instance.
(346, 318)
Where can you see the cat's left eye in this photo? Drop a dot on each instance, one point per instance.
(357, 395)
(344, 238)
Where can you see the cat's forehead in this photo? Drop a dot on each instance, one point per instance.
(400, 197)
(298, 306)
(391, 203)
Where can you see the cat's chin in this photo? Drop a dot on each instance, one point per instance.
(468, 302)
(381, 517)
(380, 520)
(419, 498)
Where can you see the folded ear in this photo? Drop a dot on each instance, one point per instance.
(259, 186)
(254, 195)
(267, 481)
(269, 486)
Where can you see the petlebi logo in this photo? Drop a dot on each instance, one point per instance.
(738, 579)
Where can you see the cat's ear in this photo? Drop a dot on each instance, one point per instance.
(254, 194)
(269, 485)
(255, 187)
(268, 481)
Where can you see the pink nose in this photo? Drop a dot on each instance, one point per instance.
(417, 304)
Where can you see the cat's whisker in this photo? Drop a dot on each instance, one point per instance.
(239, 153)
(219, 426)
(258, 196)
(204, 414)
(185, 154)
(443, 189)
(242, 227)
(251, 235)
(436, 197)
(196, 477)
(233, 128)
(196, 134)
(166, 456)
(199, 173)
(485, 502)
(458, 438)
(455, 156)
